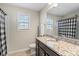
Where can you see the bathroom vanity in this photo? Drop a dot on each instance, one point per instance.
(46, 46)
(43, 50)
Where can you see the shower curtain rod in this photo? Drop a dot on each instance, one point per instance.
(72, 16)
(3, 11)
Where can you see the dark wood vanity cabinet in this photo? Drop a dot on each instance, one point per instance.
(43, 50)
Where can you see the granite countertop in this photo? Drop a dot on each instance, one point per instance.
(61, 47)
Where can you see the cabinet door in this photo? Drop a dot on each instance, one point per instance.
(47, 54)
(41, 52)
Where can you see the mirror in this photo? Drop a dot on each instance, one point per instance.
(62, 20)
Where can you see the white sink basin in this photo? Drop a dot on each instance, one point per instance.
(51, 43)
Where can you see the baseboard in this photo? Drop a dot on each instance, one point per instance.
(16, 51)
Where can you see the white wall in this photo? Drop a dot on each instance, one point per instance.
(17, 40)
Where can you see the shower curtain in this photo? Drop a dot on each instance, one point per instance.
(67, 27)
(3, 46)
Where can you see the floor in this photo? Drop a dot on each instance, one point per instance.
(22, 53)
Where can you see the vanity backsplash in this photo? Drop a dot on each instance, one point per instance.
(69, 40)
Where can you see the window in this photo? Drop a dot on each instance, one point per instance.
(23, 21)
(49, 22)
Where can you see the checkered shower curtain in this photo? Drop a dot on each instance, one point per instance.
(67, 27)
(3, 46)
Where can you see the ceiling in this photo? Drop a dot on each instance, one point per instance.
(32, 6)
(61, 10)
(64, 8)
